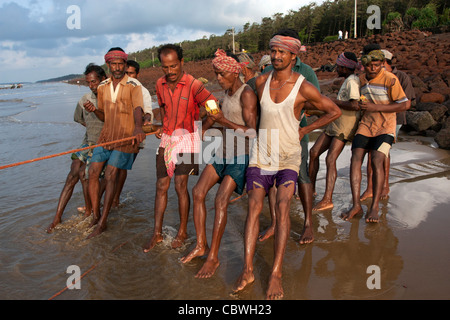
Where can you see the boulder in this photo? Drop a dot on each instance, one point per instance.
(436, 110)
(442, 138)
(432, 97)
(420, 120)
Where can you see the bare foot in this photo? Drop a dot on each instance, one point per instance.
(323, 205)
(307, 236)
(246, 278)
(93, 222)
(266, 234)
(97, 231)
(275, 289)
(81, 209)
(178, 241)
(353, 212)
(366, 195)
(198, 251)
(385, 193)
(208, 269)
(52, 226)
(157, 238)
(372, 216)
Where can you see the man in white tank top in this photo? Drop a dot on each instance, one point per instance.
(237, 120)
(276, 156)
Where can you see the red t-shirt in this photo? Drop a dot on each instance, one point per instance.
(182, 106)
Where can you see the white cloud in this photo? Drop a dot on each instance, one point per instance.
(35, 32)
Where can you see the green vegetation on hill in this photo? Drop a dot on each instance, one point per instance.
(317, 23)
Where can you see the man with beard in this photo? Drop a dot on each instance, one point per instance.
(120, 100)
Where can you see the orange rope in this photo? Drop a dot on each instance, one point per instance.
(69, 152)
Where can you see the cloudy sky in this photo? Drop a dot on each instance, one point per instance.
(42, 39)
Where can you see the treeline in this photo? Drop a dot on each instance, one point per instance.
(317, 23)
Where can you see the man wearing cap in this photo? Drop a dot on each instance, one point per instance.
(276, 155)
(383, 98)
(405, 82)
(339, 131)
(305, 190)
(120, 101)
(237, 119)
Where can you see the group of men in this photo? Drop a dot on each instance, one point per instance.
(263, 134)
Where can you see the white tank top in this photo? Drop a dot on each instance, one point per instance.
(278, 144)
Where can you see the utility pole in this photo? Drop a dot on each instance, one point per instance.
(355, 22)
(234, 49)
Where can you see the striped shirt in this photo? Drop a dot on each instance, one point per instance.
(181, 107)
(118, 106)
(385, 88)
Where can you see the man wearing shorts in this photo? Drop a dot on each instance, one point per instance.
(179, 96)
(120, 100)
(305, 190)
(276, 155)
(377, 129)
(337, 133)
(94, 75)
(237, 118)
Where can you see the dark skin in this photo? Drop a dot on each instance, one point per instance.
(77, 168)
(377, 158)
(281, 60)
(117, 68)
(172, 67)
(231, 83)
(334, 147)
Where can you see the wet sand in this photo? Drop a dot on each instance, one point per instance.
(410, 245)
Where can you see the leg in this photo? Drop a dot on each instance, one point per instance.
(206, 181)
(255, 204)
(222, 200)
(66, 193)
(378, 160)
(387, 169)
(369, 190)
(284, 196)
(184, 202)
(111, 178)
(269, 232)
(162, 186)
(334, 151)
(355, 182)
(122, 176)
(95, 170)
(321, 145)
(85, 185)
(306, 196)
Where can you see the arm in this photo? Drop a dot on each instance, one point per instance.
(78, 115)
(392, 107)
(330, 110)
(138, 121)
(351, 105)
(249, 113)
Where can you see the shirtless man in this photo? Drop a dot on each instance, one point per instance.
(339, 131)
(228, 167)
(377, 129)
(283, 94)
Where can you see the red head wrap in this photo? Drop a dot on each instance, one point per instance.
(343, 61)
(226, 63)
(288, 43)
(115, 54)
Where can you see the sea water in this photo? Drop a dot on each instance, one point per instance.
(37, 121)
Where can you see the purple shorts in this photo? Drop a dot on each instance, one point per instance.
(257, 178)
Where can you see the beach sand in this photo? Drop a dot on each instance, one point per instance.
(409, 247)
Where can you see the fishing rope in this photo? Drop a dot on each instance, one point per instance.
(71, 151)
(114, 250)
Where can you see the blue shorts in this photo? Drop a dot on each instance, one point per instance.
(114, 158)
(235, 168)
(257, 178)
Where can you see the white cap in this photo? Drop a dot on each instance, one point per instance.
(387, 54)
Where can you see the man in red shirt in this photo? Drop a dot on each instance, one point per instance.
(179, 96)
